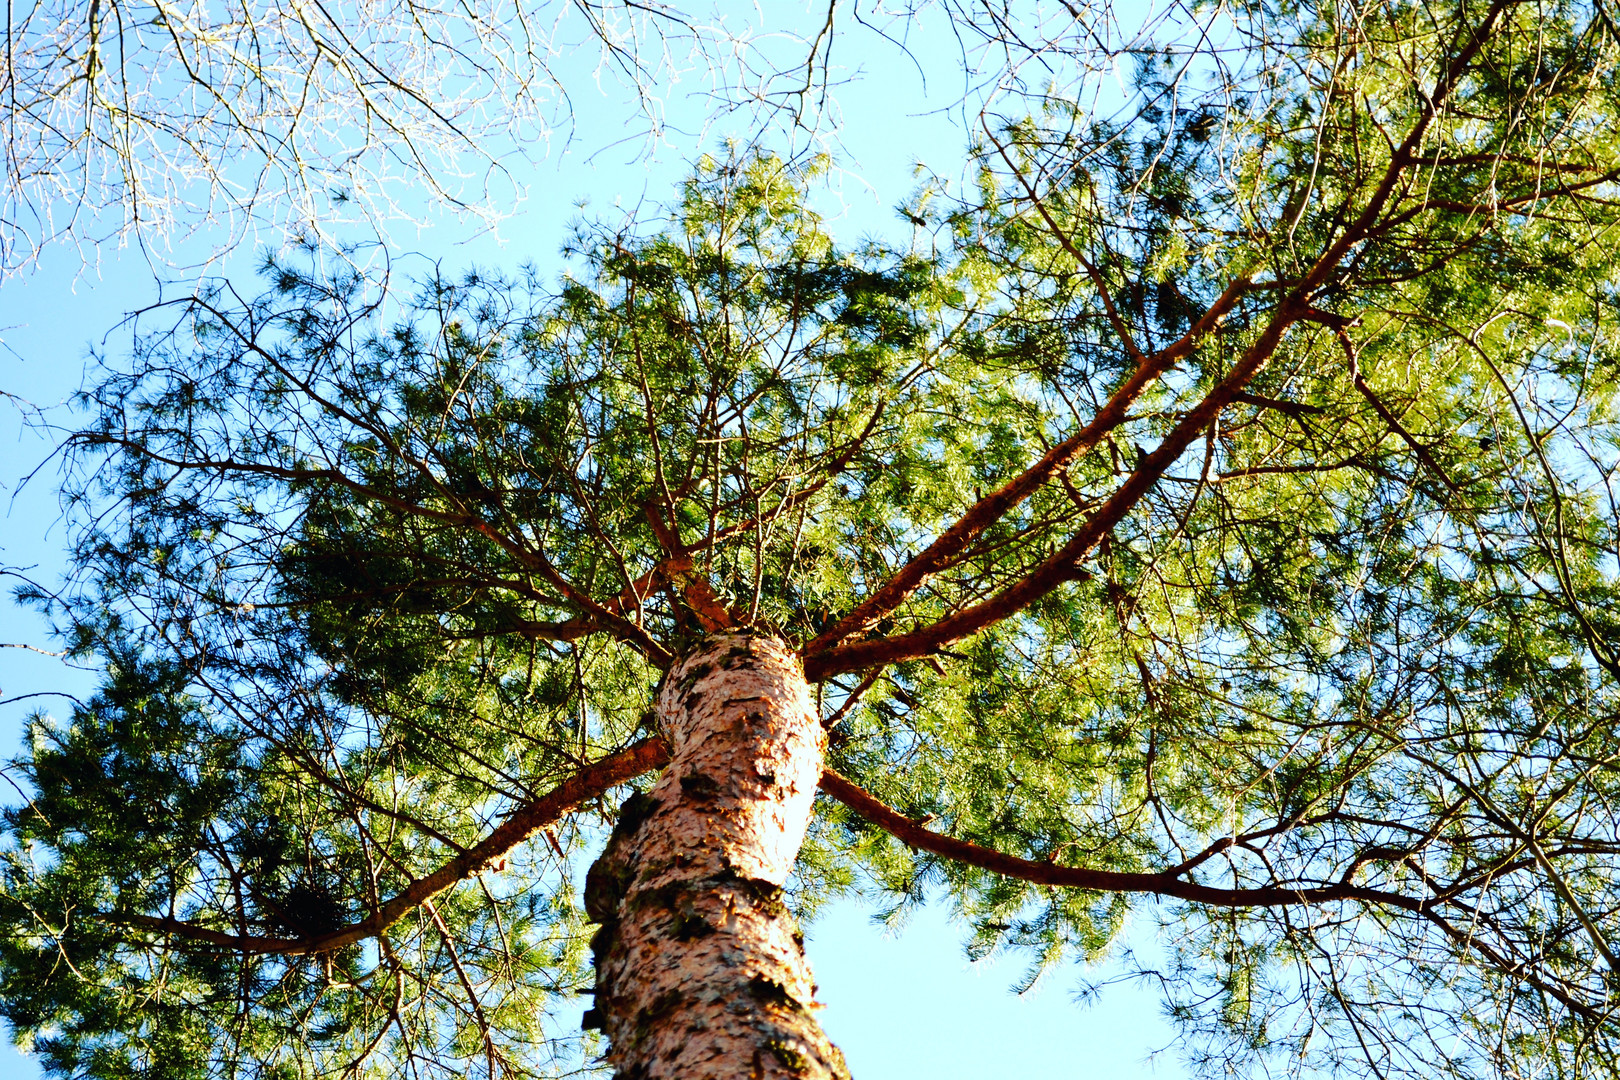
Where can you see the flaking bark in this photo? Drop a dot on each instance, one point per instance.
(700, 969)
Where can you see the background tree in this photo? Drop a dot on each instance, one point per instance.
(154, 122)
(190, 129)
(1209, 519)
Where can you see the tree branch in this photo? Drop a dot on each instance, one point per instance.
(1389, 417)
(1062, 565)
(684, 578)
(826, 655)
(653, 753)
(530, 818)
(987, 511)
(913, 834)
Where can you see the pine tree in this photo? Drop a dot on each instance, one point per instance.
(1209, 519)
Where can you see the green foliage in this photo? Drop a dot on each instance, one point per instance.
(367, 584)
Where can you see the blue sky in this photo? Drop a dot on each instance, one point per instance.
(900, 1004)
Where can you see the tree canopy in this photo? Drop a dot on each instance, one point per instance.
(1208, 520)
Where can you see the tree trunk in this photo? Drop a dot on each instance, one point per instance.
(700, 969)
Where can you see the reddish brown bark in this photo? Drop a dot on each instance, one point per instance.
(944, 551)
(700, 969)
(1168, 883)
(528, 819)
(1063, 565)
(832, 652)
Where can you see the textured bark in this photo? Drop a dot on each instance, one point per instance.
(700, 969)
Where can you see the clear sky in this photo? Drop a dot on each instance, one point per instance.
(904, 1004)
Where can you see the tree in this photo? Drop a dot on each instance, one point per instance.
(153, 123)
(1210, 518)
(193, 129)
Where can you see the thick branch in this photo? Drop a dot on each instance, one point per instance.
(1062, 566)
(530, 818)
(913, 834)
(987, 511)
(653, 753)
(612, 623)
(684, 578)
(826, 656)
